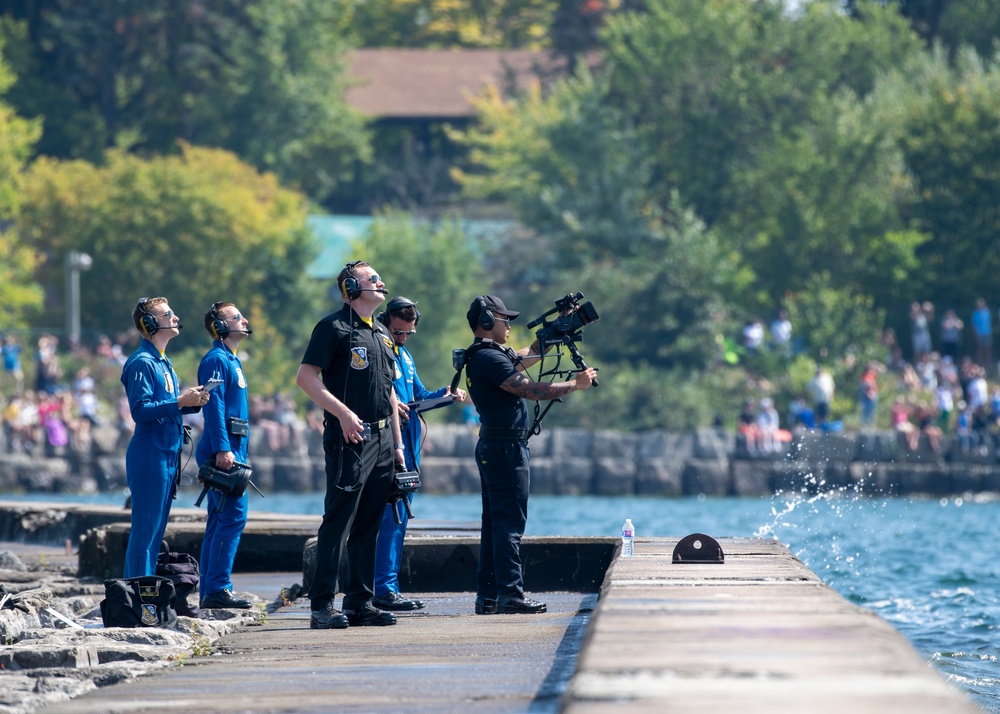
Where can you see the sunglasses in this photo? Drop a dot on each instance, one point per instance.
(505, 320)
(168, 313)
(237, 317)
(403, 332)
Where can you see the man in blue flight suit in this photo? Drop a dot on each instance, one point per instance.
(223, 443)
(152, 461)
(498, 386)
(401, 317)
(348, 369)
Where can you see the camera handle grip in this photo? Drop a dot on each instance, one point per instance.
(579, 362)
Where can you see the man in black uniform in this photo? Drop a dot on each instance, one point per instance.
(348, 370)
(498, 386)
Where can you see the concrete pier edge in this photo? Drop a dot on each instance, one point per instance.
(759, 632)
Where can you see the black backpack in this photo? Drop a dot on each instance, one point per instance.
(182, 570)
(146, 601)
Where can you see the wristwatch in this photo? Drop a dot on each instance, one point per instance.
(399, 446)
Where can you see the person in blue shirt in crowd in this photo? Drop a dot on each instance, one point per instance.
(152, 461)
(402, 317)
(12, 361)
(223, 443)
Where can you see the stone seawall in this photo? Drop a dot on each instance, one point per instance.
(578, 461)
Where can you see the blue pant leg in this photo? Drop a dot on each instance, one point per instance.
(389, 549)
(151, 482)
(208, 544)
(223, 529)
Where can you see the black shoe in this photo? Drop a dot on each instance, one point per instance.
(486, 606)
(395, 601)
(511, 605)
(224, 598)
(369, 615)
(328, 618)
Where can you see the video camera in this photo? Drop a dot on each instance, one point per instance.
(567, 327)
(233, 482)
(403, 484)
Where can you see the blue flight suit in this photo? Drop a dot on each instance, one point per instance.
(389, 549)
(226, 515)
(152, 461)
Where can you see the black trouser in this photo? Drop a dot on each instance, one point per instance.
(504, 476)
(358, 479)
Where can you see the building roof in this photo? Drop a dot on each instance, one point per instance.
(402, 83)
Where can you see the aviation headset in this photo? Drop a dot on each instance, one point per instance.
(486, 318)
(219, 329)
(351, 286)
(148, 324)
(396, 304)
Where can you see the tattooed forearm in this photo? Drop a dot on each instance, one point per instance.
(523, 387)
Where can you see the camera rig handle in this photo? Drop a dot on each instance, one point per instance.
(579, 362)
(395, 510)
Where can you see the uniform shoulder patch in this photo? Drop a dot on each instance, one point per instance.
(359, 358)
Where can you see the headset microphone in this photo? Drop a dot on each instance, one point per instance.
(374, 290)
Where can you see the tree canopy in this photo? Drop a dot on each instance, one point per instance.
(259, 78)
(198, 227)
(20, 293)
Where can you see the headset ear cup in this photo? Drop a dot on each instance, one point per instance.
(148, 324)
(352, 288)
(220, 329)
(486, 320)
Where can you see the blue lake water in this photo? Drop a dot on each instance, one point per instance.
(929, 567)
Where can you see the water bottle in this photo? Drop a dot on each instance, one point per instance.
(628, 539)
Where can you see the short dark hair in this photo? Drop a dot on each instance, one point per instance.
(213, 314)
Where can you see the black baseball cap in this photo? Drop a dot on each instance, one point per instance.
(493, 304)
(496, 306)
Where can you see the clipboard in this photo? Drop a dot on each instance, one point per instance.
(425, 405)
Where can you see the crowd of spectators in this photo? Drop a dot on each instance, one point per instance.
(52, 412)
(941, 386)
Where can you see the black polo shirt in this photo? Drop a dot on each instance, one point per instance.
(488, 368)
(357, 361)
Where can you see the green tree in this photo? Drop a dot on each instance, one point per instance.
(259, 78)
(751, 113)
(197, 228)
(947, 124)
(502, 24)
(20, 295)
(435, 265)
(954, 23)
(582, 180)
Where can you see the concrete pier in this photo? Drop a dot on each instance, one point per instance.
(757, 633)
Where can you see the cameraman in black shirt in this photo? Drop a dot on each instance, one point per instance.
(498, 386)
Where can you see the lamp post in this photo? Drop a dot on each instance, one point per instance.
(75, 262)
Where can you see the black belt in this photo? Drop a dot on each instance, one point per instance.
(378, 425)
(496, 433)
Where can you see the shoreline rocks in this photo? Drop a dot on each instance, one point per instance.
(59, 648)
(594, 462)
